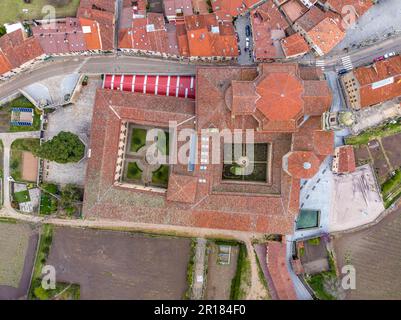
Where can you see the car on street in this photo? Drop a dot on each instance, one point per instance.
(342, 71)
(381, 58)
(248, 31)
(247, 43)
(389, 54)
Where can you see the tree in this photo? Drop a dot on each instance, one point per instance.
(3, 30)
(64, 148)
(70, 195)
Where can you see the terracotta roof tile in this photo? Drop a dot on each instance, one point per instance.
(182, 188)
(294, 45)
(326, 34)
(278, 270)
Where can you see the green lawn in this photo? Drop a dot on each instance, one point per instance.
(160, 176)
(11, 10)
(133, 171)
(48, 204)
(391, 189)
(138, 139)
(242, 275)
(317, 281)
(21, 102)
(371, 134)
(22, 196)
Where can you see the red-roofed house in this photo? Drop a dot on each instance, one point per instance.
(204, 37)
(226, 10)
(344, 160)
(61, 37)
(97, 18)
(150, 35)
(277, 266)
(175, 10)
(374, 84)
(269, 27)
(17, 52)
(294, 46)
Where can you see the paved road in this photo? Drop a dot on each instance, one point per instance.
(8, 139)
(357, 57)
(94, 65)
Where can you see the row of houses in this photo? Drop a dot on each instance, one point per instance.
(191, 29)
(91, 31)
(292, 28)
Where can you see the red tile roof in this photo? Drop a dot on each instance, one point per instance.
(346, 159)
(101, 14)
(278, 270)
(177, 8)
(206, 37)
(227, 9)
(326, 34)
(200, 198)
(382, 70)
(293, 9)
(302, 164)
(294, 45)
(66, 36)
(281, 97)
(360, 6)
(182, 188)
(268, 25)
(18, 50)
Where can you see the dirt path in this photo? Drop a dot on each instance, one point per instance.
(200, 255)
(257, 290)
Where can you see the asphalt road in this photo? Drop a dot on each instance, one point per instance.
(358, 57)
(94, 65)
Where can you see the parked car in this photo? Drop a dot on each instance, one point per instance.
(247, 43)
(389, 54)
(248, 31)
(342, 71)
(381, 58)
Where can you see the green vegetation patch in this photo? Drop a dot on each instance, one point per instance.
(14, 242)
(133, 171)
(160, 176)
(374, 133)
(71, 195)
(22, 196)
(66, 147)
(190, 270)
(138, 139)
(242, 275)
(20, 102)
(317, 281)
(12, 10)
(391, 189)
(314, 241)
(48, 201)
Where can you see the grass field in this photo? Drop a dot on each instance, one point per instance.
(12, 10)
(14, 239)
(22, 196)
(5, 116)
(374, 133)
